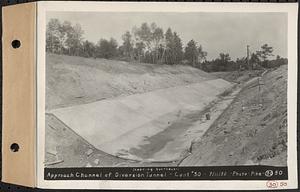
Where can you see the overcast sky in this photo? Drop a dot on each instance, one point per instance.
(216, 32)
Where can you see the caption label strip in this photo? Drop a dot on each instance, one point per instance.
(169, 173)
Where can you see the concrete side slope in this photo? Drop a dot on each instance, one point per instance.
(103, 122)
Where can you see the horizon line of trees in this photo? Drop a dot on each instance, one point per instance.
(149, 44)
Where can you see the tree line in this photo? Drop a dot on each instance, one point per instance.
(257, 60)
(147, 43)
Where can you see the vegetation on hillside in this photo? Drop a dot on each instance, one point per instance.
(150, 44)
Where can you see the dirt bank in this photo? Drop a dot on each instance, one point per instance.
(253, 130)
(74, 80)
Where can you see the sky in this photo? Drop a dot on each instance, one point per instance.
(216, 32)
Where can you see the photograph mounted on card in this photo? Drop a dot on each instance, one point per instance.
(143, 92)
(166, 95)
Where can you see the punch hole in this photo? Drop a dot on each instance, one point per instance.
(14, 147)
(16, 44)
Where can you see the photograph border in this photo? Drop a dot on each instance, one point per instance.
(290, 8)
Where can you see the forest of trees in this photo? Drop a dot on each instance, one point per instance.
(150, 44)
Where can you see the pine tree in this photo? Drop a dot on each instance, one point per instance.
(191, 53)
(157, 40)
(177, 49)
(264, 53)
(107, 49)
(169, 57)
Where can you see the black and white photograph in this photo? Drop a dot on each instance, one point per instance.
(166, 90)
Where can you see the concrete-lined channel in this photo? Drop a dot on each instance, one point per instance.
(153, 126)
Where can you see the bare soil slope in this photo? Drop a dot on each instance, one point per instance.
(76, 80)
(253, 130)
